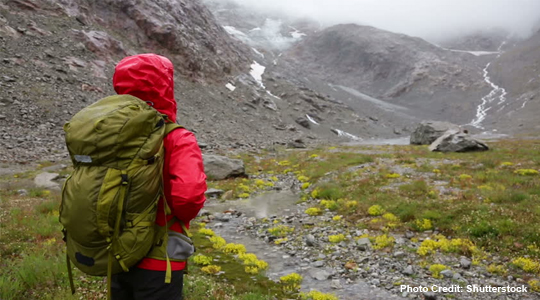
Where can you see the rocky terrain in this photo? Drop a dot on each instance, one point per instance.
(58, 56)
(276, 225)
(245, 79)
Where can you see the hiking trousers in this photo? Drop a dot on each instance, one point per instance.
(141, 284)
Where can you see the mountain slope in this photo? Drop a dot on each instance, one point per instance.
(518, 71)
(396, 68)
(58, 56)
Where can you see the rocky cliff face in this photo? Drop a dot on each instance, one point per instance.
(184, 30)
(58, 56)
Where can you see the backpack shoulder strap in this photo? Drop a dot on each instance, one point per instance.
(169, 127)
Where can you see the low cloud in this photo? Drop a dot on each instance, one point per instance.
(430, 19)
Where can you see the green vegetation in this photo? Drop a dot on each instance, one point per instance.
(486, 202)
(33, 262)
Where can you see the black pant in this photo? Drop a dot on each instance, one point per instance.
(140, 284)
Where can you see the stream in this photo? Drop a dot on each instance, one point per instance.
(497, 94)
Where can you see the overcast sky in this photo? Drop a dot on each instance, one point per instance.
(429, 19)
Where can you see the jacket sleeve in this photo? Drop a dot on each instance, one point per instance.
(187, 180)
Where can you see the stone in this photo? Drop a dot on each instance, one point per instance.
(428, 131)
(455, 141)
(465, 262)
(310, 240)
(399, 254)
(430, 296)
(408, 271)
(363, 244)
(214, 193)
(297, 144)
(220, 167)
(319, 274)
(336, 284)
(447, 273)
(318, 264)
(223, 217)
(45, 180)
(303, 122)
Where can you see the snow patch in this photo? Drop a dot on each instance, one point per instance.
(346, 134)
(475, 53)
(233, 31)
(258, 52)
(296, 34)
(230, 87)
(270, 93)
(256, 72)
(312, 120)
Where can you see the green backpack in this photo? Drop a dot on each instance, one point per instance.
(109, 202)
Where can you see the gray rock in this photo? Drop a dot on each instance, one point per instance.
(447, 273)
(22, 192)
(45, 180)
(399, 254)
(319, 274)
(298, 144)
(430, 296)
(465, 262)
(303, 122)
(310, 240)
(408, 271)
(220, 167)
(375, 282)
(455, 141)
(428, 131)
(214, 193)
(318, 264)
(363, 244)
(223, 217)
(336, 284)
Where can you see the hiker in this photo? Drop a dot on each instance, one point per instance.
(149, 77)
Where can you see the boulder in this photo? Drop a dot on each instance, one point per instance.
(220, 167)
(428, 131)
(303, 122)
(455, 141)
(46, 180)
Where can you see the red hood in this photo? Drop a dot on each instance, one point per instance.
(149, 77)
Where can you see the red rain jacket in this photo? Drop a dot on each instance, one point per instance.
(150, 77)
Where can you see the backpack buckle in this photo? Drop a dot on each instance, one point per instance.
(124, 179)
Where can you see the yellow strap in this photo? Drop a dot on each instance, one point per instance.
(109, 275)
(143, 224)
(168, 273)
(184, 228)
(124, 267)
(70, 275)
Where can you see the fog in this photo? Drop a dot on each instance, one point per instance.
(430, 19)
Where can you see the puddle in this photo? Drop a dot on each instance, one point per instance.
(396, 141)
(262, 206)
